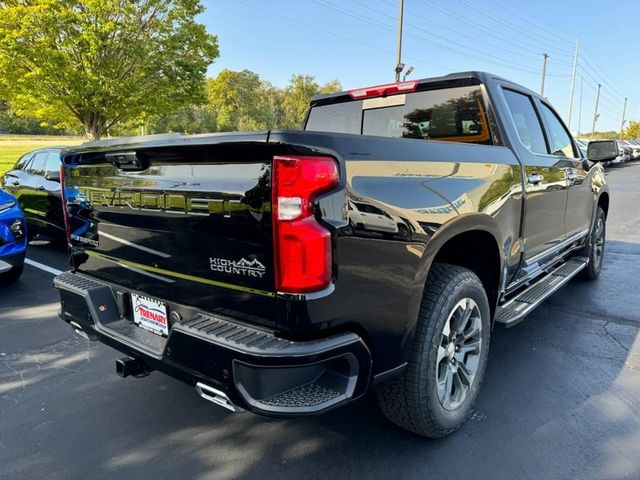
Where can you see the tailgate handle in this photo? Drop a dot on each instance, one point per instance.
(128, 161)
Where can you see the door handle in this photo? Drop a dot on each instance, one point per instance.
(535, 178)
(15, 183)
(41, 189)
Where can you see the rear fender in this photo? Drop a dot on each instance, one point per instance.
(456, 226)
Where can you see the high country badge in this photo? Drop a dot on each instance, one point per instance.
(244, 267)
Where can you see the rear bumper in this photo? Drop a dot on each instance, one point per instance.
(255, 369)
(9, 262)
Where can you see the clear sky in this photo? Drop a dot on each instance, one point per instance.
(354, 41)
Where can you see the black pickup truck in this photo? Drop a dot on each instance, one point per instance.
(289, 272)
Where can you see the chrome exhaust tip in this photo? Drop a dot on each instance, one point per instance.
(77, 328)
(216, 396)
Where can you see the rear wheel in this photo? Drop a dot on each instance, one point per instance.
(435, 393)
(594, 250)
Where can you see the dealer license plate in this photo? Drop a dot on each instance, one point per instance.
(150, 314)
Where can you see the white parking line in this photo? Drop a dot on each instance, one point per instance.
(42, 266)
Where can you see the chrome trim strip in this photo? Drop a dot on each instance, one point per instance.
(558, 247)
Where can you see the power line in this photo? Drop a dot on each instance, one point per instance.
(337, 35)
(601, 73)
(507, 8)
(534, 52)
(489, 32)
(608, 99)
(507, 24)
(481, 56)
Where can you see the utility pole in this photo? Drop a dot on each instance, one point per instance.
(624, 111)
(399, 65)
(544, 72)
(595, 114)
(573, 82)
(580, 108)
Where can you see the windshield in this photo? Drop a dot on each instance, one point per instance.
(454, 114)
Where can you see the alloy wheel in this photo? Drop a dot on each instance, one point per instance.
(459, 352)
(598, 242)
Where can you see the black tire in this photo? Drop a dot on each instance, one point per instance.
(411, 400)
(594, 250)
(12, 275)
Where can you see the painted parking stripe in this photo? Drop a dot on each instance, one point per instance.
(42, 266)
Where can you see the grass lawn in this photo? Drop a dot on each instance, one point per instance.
(13, 147)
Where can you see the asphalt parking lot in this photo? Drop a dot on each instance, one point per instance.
(561, 398)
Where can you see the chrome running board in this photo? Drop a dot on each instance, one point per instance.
(513, 312)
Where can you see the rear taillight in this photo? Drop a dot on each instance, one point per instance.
(302, 246)
(65, 213)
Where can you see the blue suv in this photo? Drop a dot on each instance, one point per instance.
(13, 238)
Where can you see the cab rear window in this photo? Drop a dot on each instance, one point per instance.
(453, 114)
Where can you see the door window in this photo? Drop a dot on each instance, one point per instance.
(559, 138)
(53, 162)
(37, 166)
(526, 121)
(24, 160)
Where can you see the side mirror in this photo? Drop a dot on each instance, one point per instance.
(602, 150)
(53, 176)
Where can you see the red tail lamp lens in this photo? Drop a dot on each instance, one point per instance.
(302, 246)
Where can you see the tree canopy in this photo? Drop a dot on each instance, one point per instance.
(102, 62)
(298, 95)
(632, 132)
(242, 101)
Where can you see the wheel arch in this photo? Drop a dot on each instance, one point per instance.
(471, 241)
(603, 202)
(482, 240)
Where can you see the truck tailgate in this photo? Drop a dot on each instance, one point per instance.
(189, 223)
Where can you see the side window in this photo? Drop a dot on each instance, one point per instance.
(559, 138)
(526, 121)
(53, 162)
(37, 166)
(24, 160)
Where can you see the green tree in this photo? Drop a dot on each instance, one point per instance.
(298, 95)
(632, 132)
(102, 62)
(10, 122)
(269, 108)
(191, 119)
(234, 96)
(334, 86)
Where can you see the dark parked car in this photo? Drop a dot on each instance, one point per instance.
(289, 272)
(13, 238)
(35, 182)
